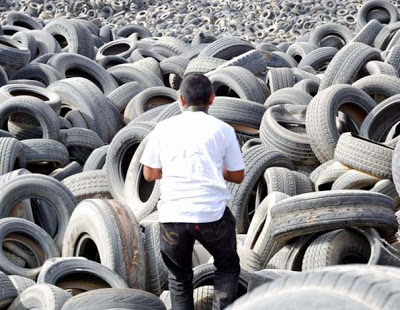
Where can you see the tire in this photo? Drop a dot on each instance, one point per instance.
(111, 61)
(203, 65)
(240, 81)
(256, 61)
(303, 183)
(149, 99)
(12, 155)
(40, 187)
(393, 58)
(8, 292)
(354, 179)
(285, 59)
(76, 119)
(280, 180)
(171, 110)
(294, 144)
(308, 86)
(37, 71)
(249, 259)
(380, 86)
(226, 48)
(387, 111)
(79, 268)
(337, 247)
(115, 233)
(128, 73)
(330, 174)
(143, 53)
(80, 142)
(23, 20)
(378, 67)
(121, 47)
(36, 108)
(290, 257)
(250, 143)
(299, 50)
(75, 95)
(319, 170)
(257, 224)
(73, 65)
(244, 116)
(330, 29)
(279, 294)
(3, 77)
(41, 150)
(89, 185)
(257, 159)
(127, 30)
(27, 40)
(382, 40)
(69, 170)
(14, 55)
(204, 275)
(157, 272)
(319, 58)
(258, 278)
(21, 283)
(119, 155)
(288, 96)
(72, 37)
(46, 45)
(50, 98)
(97, 159)
(114, 299)
(169, 46)
(41, 296)
(321, 117)
(141, 196)
(345, 66)
(279, 78)
(290, 217)
(123, 94)
(365, 155)
(368, 32)
(47, 246)
(387, 188)
(203, 297)
(362, 15)
(174, 65)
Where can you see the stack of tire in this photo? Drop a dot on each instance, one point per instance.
(317, 122)
(267, 21)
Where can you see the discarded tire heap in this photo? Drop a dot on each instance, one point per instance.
(318, 123)
(256, 21)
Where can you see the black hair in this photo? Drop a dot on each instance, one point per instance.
(196, 89)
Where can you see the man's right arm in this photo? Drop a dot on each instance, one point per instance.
(233, 169)
(233, 176)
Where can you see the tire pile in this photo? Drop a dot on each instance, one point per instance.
(318, 123)
(255, 21)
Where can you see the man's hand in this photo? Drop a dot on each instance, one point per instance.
(151, 174)
(233, 176)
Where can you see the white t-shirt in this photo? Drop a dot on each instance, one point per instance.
(191, 149)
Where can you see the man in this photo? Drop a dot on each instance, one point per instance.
(193, 154)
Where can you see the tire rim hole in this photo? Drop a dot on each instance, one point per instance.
(86, 247)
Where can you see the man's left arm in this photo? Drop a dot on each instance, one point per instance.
(151, 158)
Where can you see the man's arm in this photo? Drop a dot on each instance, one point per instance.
(151, 174)
(233, 176)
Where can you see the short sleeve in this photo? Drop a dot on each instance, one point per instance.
(151, 154)
(233, 160)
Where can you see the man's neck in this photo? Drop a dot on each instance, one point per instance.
(193, 108)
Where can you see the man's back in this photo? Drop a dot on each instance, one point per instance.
(193, 148)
